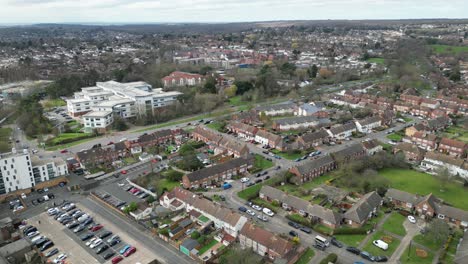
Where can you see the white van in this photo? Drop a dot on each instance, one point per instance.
(380, 244)
(319, 240)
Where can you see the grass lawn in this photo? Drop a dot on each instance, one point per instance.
(69, 136)
(395, 137)
(294, 190)
(130, 160)
(216, 126)
(422, 183)
(237, 101)
(376, 60)
(207, 247)
(413, 258)
(392, 246)
(53, 103)
(5, 133)
(456, 132)
(289, 156)
(306, 257)
(250, 191)
(165, 184)
(350, 240)
(74, 143)
(262, 163)
(453, 50)
(394, 224)
(407, 119)
(425, 241)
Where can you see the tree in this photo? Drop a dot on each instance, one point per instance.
(239, 256)
(195, 235)
(210, 85)
(174, 176)
(119, 123)
(438, 230)
(231, 91)
(288, 69)
(444, 177)
(133, 206)
(312, 71)
(190, 162)
(325, 73)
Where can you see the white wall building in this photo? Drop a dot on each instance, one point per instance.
(123, 99)
(18, 170)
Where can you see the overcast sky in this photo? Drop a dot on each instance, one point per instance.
(134, 11)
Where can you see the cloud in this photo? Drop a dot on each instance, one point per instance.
(34, 11)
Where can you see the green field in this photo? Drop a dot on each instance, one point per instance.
(456, 132)
(237, 101)
(69, 136)
(395, 137)
(392, 246)
(306, 257)
(261, 163)
(53, 103)
(350, 240)
(422, 183)
(453, 50)
(412, 258)
(216, 126)
(427, 242)
(5, 134)
(289, 156)
(394, 224)
(294, 190)
(207, 247)
(376, 60)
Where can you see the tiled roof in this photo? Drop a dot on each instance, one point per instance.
(314, 164)
(270, 240)
(342, 128)
(311, 137)
(453, 143)
(444, 158)
(219, 168)
(361, 210)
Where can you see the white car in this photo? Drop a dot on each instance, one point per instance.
(256, 207)
(23, 195)
(60, 258)
(250, 212)
(96, 243)
(268, 212)
(263, 218)
(33, 234)
(52, 211)
(245, 179)
(91, 241)
(411, 219)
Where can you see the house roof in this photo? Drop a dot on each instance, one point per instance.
(323, 213)
(207, 133)
(369, 120)
(438, 122)
(453, 143)
(272, 193)
(348, 151)
(190, 243)
(424, 135)
(452, 212)
(409, 147)
(342, 128)
(311, 137)
(219, 168)
(444, 158)
(296, 120)
(401, 196)
(269, 136)
(244, 127)
(270, 240)
(361, 210)
(310, 109)
(155, 135)
(277, 107)
(371, 144)
(314, 164)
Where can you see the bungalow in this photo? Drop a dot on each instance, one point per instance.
(342, 131)
(352, 152)
(434, 161)
(372, 146)
(243, 130)
(453, 147)
(301, 122)
(268, 139)
(278, 109)
(424, 140)
(363, 210)
(312, 169)
(218, 173)
(324, 216)
(412, 152)
(313, 139)
(265, 243)
(366, 125)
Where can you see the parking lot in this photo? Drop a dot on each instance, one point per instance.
(77, 251)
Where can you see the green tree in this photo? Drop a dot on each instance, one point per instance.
(119, 123)
(312, 71)
(438, 230)
(210, 85)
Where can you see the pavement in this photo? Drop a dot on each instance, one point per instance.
(411, 231)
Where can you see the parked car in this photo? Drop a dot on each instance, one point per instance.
(262, 218)
(96, 228)
(244, 180)
(321, 247)
(51, 253)
(79, 229)
(114, 242)
(124, 249)
(242, 209)
(411, 219)
(336, 243)
(293, 233)
(116, 259)
(367, 255)
(380, 259)
(105, 234)
(60, 258)
(102, 249)
(306, 230)
(47, 245)
(354, 250)
(108, 255)
(96, 243)
(294, 224)
(256, 207)
(91, 241)
(268, 212)
(130, 251)
(250, 212)
(380, 244)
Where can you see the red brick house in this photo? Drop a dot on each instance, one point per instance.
(104, 154)
(243, 130)
(363, 210)
(402, 107)
(411, 99)
(314, 139)
(424, 140)
(153, 139)
(411, 151)
(312, 169)
(453, 147)
(421, 111)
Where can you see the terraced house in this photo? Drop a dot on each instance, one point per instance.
(153, 139)
(243, 130)
(219, 143)
(313, 139)
(341, 132)
(104, 154)
(363, 210)
(301, 122)
(218, 173)
(453, 147)
(312, 169)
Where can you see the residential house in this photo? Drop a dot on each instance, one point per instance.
(310, 110)
(103, 154)
(341, 132)
(452, 215)
(178, 78)
(449, 108)
(275, 110)
(218, 173)
(313, 139)
(243, 130)
(413, 129)
(402, 107)
(247, 117)
(368, 124)
(411, 152)
(372, 146)
(434, 161)
(268, 139)
(153, 139)
(430, 103)
(411, 99)
(402, 199)
(312, 169)
(302, 122)
(363, 210)
(421, 111)
(354, 151)
(424, 140)
(220, 143)
(324, 216)
(264, 243)
(437, 124)
(341, 100)
(453, 147)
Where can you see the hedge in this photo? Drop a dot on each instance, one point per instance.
(350, 231)
(332, 257)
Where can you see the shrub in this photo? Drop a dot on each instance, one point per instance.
(331, 258)
(195, 235)
(275, 203)
(350, 231)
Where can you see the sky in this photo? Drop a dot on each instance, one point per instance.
(154, 11)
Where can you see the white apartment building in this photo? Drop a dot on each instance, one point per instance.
(18, 170)
(123, 99)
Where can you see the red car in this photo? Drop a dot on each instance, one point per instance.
(64, 151)
(124, 172)
(129, 251)
(116, 259)
(110, 143)
(96, 228)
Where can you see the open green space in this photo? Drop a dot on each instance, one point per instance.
(261, 163)
(427, 242)
(447, 49)
(252, 191)
(50, 103)
(394, 224)
(395, 137)
(289, 155)
(411, 257)
(392, 242)
(5, 134)
(294, 190)
(216, 126)
(237, 101)
(376, 60)
(456, 132)
(67, 138)
(306, 256)
(207, 247)
(422, 183)
(350, 240)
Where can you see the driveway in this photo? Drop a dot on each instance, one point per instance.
(411, 231)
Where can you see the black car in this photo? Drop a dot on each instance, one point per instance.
(336, 242)
(258, 175)
(41, 242)
(52, 252)
(73, 225)
(380, 259)
(109, 255)
(353, 250)
(306, 230)
(105, 234)
(258, 180)
(266, 178)
(114, 242)
(294, 224)
(242, 209)
(47, 245)
(102, 249)
(293, 233)
(86, 236)
(87, 221)
(367, 255)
